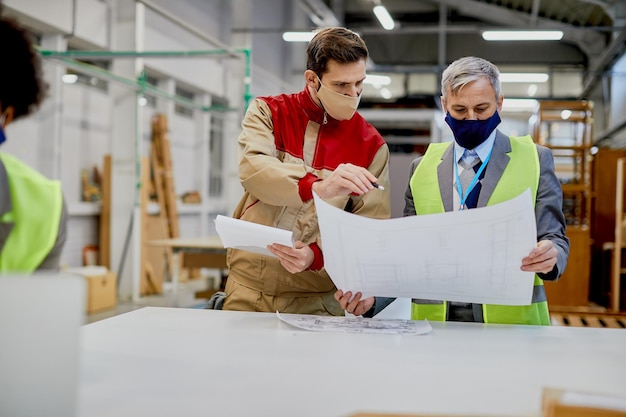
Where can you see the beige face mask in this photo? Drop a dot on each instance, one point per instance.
(337, 105)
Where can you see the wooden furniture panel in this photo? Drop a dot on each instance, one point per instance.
(572, 289)
(604, 173)
(617, 267)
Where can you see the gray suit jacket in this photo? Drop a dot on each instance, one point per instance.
(548, 206)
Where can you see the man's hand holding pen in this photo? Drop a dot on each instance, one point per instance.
(346, 179)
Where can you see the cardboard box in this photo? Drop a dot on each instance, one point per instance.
(562, 403)
(101, 287)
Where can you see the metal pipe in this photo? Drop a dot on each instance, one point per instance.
(138, 85)
(158, 54)
(137, 54)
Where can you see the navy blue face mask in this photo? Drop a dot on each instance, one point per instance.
(471, 133)
(2, 135)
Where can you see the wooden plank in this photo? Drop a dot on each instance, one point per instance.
(580, 309)
(557, 319)
(574, 320)
(156, 257)
(159, 124)
(170, 194)
(611, 322)
(205, 260)
(143, 208)
(616, 275)
(592, 321)
(165, 171)
(572, 289)
(104, 239)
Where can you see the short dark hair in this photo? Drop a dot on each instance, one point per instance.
(21, 83)
(336, 43)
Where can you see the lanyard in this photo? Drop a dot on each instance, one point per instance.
(462, 196)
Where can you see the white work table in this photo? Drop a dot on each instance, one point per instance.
(191, 362)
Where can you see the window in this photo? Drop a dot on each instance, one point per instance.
(216, 150)
(181, 109)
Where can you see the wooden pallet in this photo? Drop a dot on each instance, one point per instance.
(612, 321)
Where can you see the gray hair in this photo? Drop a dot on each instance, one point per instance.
(466, 70)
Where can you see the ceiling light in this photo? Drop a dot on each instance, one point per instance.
(298, 36)
(143, 101)
(565, 114)
(524, 77)
(385, 93)
(532, 90)
(522, 35)
(377, 80)
(519, 104)
(384, 17)
(69, 78)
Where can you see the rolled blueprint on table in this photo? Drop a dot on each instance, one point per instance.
(468, 256)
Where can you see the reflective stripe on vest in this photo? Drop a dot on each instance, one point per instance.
(521, 172)
(37, 203)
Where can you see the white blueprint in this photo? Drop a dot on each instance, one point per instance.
(252, 237)
(468, 256)
(355, 324)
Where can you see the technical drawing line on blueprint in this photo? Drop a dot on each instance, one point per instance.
(468, 256)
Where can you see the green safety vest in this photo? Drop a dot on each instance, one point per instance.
(36, 214)
(521, 173)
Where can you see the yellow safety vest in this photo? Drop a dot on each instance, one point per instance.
(521, 173)
(36, 214)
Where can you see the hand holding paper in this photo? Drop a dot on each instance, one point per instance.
(468, 256)
(252, 237)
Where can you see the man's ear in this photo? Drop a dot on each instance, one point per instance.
(500, 101)
(443, 104)
(311, 79)
(8, 115)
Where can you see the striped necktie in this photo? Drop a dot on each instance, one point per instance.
(470, 167)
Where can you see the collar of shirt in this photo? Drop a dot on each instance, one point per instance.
(482, 150)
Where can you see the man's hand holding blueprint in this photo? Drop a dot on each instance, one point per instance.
(430, 257)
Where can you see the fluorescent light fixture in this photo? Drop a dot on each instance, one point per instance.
(69, 78)
(377, 80)
(385, 93)
(384, 17)
(298, 36)
(524, 77)
(532, 90)
(522, 35)
(519, 104)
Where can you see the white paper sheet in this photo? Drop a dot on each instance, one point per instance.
(251, 237)
(468, 256)
(355, 324)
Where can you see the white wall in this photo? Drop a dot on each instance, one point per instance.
(618, 100)
(91, 26)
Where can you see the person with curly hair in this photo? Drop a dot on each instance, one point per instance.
(33, 216)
